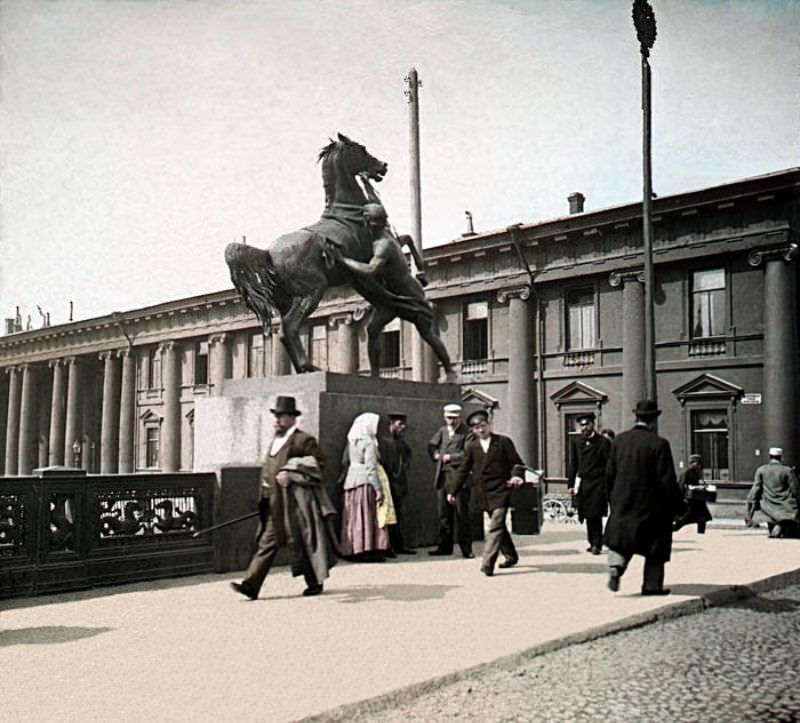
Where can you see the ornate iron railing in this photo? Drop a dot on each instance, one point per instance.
(66, 531)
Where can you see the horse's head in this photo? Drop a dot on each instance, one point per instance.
(354, 159)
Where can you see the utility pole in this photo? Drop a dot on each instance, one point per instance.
(644, 21)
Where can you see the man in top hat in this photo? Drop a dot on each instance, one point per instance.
(295, 509)
(396, 458)
(694, 510)
(446, 448)
(775, 493)
(644, 497)
(496, 467)
(587, 481)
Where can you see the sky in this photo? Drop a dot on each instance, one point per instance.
(139, 137)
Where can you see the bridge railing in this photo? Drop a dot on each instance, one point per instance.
(62, 530)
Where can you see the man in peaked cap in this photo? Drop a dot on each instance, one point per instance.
(644, 497)
(446, 448)
(587, 479)
(295, 509)
(775, 492)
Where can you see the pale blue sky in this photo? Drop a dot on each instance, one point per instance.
(137, 138)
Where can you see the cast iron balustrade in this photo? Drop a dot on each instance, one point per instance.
(62, 530)
(707, 347)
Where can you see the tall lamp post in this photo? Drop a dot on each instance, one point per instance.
(644, 20)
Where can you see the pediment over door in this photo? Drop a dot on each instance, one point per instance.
(579, 394)
(707, 386)
(475, 396)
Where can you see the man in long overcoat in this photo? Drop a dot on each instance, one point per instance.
(587, 479)
(496, 467)
(446, 448)
(395, 457)
(644, 497)
(296, 512)
(775, 492)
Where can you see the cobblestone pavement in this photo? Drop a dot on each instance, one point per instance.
(731, 663)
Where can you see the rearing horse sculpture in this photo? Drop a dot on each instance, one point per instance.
(294, 271)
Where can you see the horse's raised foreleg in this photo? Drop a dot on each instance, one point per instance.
(381, 316)
(300, 309)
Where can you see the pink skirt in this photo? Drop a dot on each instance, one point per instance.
(360, 531)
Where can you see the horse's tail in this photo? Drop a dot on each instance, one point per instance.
(255, 279)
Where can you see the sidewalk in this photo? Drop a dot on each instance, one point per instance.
(191, 649)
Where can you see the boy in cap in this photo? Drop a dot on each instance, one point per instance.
(587, 481)
(295, 509)
(446, 448)
(775, 492)
(497, 467)
(695, 510)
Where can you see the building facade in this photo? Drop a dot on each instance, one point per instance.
(544, 321)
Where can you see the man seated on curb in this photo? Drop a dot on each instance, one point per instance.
(775, 493)
(644, 497)
(496, 468)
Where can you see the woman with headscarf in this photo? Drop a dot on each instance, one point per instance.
(361, 537)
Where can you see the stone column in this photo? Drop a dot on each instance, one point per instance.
(281, 364)
(55, 454)
(27, 415)
(12, 423)
(346, 343)
(127, 412)
(521, 390)
(171, 429)
(109, 419)
(633, 372)
(3, 421)
(72, 432)
(216, 360)
(780, 348)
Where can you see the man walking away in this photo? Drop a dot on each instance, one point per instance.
(296, 512)
(496, 467)
(644, 497)
(587, 480)
(775, 493)
(446, 448)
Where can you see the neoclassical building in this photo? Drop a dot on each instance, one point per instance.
(543, 319)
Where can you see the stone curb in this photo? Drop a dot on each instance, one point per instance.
(715, 598)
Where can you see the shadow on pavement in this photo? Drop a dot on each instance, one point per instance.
(582, 568)
(394, 593)
(48, 634)
(767, 605)
(695, 589)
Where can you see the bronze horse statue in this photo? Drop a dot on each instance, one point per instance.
(292, 274)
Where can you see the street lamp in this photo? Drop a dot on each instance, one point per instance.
(644, 20)
(76, 454)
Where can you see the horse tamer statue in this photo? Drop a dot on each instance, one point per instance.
(351, 245)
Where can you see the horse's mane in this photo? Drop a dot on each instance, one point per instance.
(328, 179)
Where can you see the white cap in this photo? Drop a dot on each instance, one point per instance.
(775, 452)
(452, 410)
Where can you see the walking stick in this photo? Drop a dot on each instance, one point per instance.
(234, 521)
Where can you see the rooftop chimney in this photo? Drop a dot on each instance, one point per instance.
(576, 202)
(470, 227)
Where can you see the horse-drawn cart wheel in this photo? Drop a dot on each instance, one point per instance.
(554, 509)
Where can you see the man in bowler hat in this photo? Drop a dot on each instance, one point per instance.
(496, 467)
(587, 479)
(296, 512)
(644, 497)
(446, 448)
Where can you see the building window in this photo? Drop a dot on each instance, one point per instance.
(476, 330)
(255, 355)
(201, 363)
(319, 346)
(151, 446)
(580, 319)
(153, 369)
(709, 317)
(390, 349)
(710, 441)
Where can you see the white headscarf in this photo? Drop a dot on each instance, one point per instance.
(365, 426)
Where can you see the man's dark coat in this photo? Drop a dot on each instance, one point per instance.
(589, 461)
(454, 445)
(490, 471)
(643, 493)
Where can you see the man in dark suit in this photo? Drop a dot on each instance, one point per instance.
(396, 457)
(295, 509)
(446, 448)
(496, 467)
(587, 479)
(644, 497)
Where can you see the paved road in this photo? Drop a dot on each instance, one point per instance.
(732, 663)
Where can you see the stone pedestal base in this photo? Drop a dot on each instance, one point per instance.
(235, 429)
